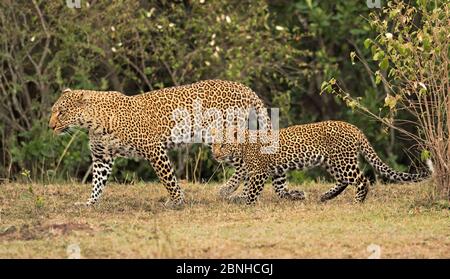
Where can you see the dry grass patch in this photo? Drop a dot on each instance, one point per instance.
(41, 221)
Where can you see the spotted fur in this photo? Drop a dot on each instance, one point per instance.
(333, 145)
(141, 125)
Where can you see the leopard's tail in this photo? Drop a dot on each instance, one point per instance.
(371, 156)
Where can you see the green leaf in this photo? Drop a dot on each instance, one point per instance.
(422, 91)
(425, 155)
(391, 72)
(324, 84)
(329, 89)
(373, 49)
(352, 57)
(309, 3)
(426, 43)
(367, 43)
(378, 55)
(332, 81)
(400, 47)
(148, 71)
(377, 77)
(384, 64)
(390, 101)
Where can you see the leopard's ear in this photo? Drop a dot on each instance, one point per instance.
(80, 97)
(66, 90)
(86, 97)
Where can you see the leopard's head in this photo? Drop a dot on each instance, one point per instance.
(68, 111)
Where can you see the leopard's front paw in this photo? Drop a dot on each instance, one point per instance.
(175, 204)
(91, 202)
(324, 198)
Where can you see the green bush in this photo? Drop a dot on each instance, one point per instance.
(46, 155)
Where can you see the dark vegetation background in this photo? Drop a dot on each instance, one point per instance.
(283, 50)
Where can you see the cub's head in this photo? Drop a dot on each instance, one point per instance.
(68, 111)
(222, 149)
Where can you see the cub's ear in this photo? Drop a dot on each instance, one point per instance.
(213, 132)
(66, 90)
(216, 135)
(235, 135)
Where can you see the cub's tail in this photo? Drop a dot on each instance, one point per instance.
(371, 156)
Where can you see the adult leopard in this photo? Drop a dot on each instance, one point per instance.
(144, 125)
(334, 145)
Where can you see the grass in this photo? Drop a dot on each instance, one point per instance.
(41, 221)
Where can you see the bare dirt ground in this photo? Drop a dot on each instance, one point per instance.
(41, 221)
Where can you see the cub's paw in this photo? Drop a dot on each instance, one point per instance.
(89, 203)
(295, 195)
(238, 199)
